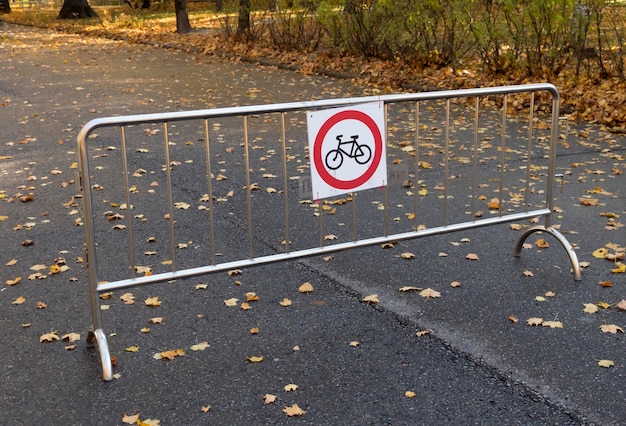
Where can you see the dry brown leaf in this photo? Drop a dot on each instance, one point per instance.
(534, 321)
(611, 328)
(19, 300)
(429, 292)
(372, 298)
(291, 387)
(231, 302)
(268, 398)
(606, 363)
(307, 287)
(294, 410)
(621, 306)
(285, 302)
(153, 301)
(590, 308)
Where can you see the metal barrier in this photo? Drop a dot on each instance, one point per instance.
(447, 150)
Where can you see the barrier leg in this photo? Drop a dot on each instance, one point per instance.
(98, 337)
(556, 234)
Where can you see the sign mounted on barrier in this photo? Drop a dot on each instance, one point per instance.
(347, 149)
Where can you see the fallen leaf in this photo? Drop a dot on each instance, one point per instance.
(606, 363)
(294, 410)
(455, 284)
(285, 302)
(153, 301)
(205, 408)
(49, 337)
(620, 269)
(231, 302)
(251, 296)
(541, 243)
(353, 344)
(422, 333)
(472, 256)
(590, 308)
(255, 359)
(409, 394)
(254, 330)
(407, 255)
(268, 398)
(528, 273)
(513, 318)
(291, 387)
(307, 287)
(200, 346)
(131, 420)
(429, 292)
(372, 298)
(70, 337)
(552, 324)
(19, 300)
(409, 288)
(14, 281)
(156, 320)
(611, 328)
(534, 321)
(132, 349)
(621, 306)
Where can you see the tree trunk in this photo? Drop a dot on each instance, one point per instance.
(219, 5)
(350, 6)
(243, 23)
(5, 6)
(182, 18)
(145, 4)
(76, 9)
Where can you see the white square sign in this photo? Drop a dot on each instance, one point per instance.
(347, 149)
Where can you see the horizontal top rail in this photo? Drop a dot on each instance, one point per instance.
(316, 104)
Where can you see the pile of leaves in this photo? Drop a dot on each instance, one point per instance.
(583, 98)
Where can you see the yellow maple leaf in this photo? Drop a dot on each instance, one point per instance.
(205, 408)
(231, 302)
(245, 306)
(285, 302)
(620, 269)
(409, 288)
(600, 253)
(409, 394)
(131, 420)
(372, 298)
(354, 344)
(156, 320)
(71, 337)
(49, 337)
(552, 324)
(590, 308)
(423, 333)
(269, 398)
(472, 256)
(14, 281)
(255, 359)
(429, 292)
(153, 301)
(534, 321)
(200, 346)
(606, 363)
(132, 349)
(294, 410)
(19, 300)
(251, 296)
(291, 387)
(611, 328)
(307, 287)
(407, 255)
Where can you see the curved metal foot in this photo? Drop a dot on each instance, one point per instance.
(98, 337)
(556, 234)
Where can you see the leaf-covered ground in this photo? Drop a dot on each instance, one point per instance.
(584, 99)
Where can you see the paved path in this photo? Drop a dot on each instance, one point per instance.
(477, 367)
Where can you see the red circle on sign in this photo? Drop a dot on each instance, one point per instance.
(319, 140)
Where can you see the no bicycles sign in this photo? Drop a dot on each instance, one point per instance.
(347, 149)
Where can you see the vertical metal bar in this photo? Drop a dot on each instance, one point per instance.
(321, 212)
(90, 234)
(475, 157)
(353, 197)
(170, 203)
(529, 151)
(285, 182)
(554, 135)
(502, 156)
(385, 184)
(416, 165)
(129, 224)
(446, 166)
(207, 152)
(248, 189)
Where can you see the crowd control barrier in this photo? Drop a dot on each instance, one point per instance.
(173, 195)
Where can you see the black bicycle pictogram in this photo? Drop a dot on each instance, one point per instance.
(361, 153)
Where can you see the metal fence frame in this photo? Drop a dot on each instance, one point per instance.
(96, 334)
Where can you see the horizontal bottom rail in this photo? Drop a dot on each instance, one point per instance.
(279, 257)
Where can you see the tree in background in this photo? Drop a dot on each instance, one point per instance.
(5, 6)
(243, 23)
(76, 9)
(182, 17)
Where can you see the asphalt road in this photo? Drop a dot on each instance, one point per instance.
(475, 367)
